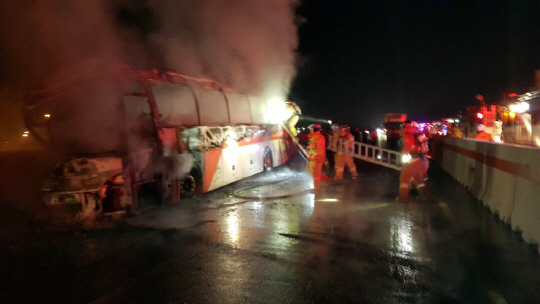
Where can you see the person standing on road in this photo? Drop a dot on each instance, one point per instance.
(455, 131)
(344, 157)
(335, 135)
(317, 154)
(415, 163)
(482, 134)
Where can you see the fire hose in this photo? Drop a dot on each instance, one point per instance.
(301, 149)
(237, 193)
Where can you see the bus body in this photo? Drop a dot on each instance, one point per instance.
(136, 138)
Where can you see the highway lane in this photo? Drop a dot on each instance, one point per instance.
(268, 239)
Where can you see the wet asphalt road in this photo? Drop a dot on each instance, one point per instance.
(270, 240)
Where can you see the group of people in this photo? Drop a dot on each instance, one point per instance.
(414, 150)
(481, 134)
(414, 170)
(317, 154)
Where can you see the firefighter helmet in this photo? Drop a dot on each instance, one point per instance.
(315, 127)
(345, 126)
(411, 127)
(293, 108)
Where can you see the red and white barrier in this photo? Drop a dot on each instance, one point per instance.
(526, 215)
(506, 178)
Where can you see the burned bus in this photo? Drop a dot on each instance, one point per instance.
(136, 138)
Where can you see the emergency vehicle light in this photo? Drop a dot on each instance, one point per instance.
(405, 158)
(520, 107)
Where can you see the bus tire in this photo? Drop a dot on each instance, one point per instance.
(191, 184)
(267, 160)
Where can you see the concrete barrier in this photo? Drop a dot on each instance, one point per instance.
(479, 172)
(526, 214)
(449, 159)
(501, 177)
(466, 165)
(504, 177)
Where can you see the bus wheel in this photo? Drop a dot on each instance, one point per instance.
(191, 184)
(267, 161)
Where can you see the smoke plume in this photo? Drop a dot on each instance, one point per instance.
(248, 45)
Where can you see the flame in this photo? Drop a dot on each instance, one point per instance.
(277, 111)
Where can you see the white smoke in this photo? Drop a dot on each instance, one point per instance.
(41, 36)
(248, 45)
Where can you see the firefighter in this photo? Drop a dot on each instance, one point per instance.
(414, 170)
(335, 132)
(294, 110)
(482, 134)
(343, 157)
(423, 144)
(455, 131)
(317, 154)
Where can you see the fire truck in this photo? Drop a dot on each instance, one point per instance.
(486, 115)
(137, 138)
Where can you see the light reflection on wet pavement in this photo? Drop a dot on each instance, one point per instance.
(270, 240)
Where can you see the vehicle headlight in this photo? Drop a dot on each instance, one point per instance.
(405, 158)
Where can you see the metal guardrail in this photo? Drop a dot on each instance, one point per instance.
(369, 153)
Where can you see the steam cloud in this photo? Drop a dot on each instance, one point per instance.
(246, 44)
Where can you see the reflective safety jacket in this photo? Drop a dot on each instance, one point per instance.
(347, 143)
(415, 145)
(422, 142)
(317, 146)
(483, 136)
(455, 132)
(410, 145)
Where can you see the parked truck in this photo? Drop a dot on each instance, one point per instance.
(393, 124)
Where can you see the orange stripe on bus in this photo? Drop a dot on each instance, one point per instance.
(257, 140)
(211, 162)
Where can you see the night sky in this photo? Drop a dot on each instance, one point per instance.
(361, 59)
(356, 60)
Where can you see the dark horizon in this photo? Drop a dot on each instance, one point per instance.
(360, 60)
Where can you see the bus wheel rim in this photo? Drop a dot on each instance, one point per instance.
(188, 186)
